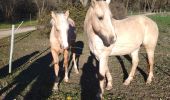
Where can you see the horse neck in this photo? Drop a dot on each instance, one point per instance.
(114, 21)
(88, 17)
(89, 13)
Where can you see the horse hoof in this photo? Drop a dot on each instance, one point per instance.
(55, 87)
(109, 88)
(77, 72)
(66, 80)
(99, 96)
(148, 81)
(127, 82)
(55, 90)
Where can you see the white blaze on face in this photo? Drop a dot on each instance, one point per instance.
(64, 26)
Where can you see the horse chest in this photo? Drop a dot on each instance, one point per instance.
(97, 47)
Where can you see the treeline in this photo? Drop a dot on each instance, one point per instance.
(11, 10)
(147, 5)
(120, 8)
(15, 10)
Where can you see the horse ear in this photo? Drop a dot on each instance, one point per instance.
(53, 14)
(108, 1)
(84, 2)
(67, 13)
(93, 2)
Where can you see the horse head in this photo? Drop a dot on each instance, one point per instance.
(101, 21)
(60, 22)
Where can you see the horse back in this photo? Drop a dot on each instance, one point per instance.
(138, 25)
(132, 32)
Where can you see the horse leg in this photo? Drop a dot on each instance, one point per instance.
(66, 55)
(56, 68)
(102, 72)
(135, 61)
(150, 54)
(75, 64)
(109, 78)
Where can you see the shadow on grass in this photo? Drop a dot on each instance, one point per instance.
(16, 64)
(89, 81)
(125, 76)
(127, 57)
(33, 83)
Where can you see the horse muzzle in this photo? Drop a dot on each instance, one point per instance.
(107, 41)
(65, 46)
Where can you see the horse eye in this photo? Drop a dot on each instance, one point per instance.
(100, 18)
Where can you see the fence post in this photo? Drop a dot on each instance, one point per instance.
(11, 48)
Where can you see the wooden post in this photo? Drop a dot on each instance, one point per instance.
(11, 48)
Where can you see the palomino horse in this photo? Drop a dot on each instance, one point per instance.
(62, 37)
(108, 36)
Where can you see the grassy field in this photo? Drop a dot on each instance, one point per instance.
(25, 23)
(32, 77)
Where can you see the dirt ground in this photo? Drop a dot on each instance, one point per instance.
(32, 76)
(7, 32)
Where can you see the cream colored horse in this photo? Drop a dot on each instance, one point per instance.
(62, 37)
(108, 36)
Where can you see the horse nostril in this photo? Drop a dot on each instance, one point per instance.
(111, 40)
(108, 41)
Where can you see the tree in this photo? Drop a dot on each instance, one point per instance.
(7, 8)
(44, 6)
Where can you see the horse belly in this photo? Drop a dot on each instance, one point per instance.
(128, 40)
(124, 48)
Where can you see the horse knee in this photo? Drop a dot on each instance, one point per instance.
(135, 62)
(135, 58)
(151, 58)
(101, 76)
(102, 68)
(54, 53)
(150, 54)
(109, 79)
(102, 73)
(65, 61)
(56, 69)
